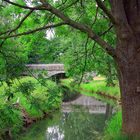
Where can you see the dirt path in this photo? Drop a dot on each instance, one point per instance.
(91, 103)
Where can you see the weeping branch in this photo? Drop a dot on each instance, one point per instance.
(85, 61)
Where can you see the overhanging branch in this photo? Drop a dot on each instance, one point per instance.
(84, 28)
(33, 31)
(81, 27)
(24, 7)
(106, 31)
(19, 25)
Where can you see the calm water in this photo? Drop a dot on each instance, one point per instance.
(77, 125)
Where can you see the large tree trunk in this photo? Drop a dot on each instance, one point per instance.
(129, 71)
(127, 16)
(130, 95)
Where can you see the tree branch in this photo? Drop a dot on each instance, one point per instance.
(85, 61)
(68, 21)
(107, 12)
(81, 27)
(24, 7)
(106, 31)
(68, 6)
(33, 31)
(19, 25)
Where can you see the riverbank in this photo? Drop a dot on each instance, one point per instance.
(96, 88)
(25, 101)
(33, 101)
(109, 95)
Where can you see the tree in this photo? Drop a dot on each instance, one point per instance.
(15, 53)
(83, 55)
(124, 16)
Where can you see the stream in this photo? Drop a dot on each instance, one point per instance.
(72, 122)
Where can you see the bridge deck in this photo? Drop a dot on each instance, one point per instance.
(52, 69)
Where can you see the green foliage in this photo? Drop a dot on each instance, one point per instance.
(37, 97)
(80, 54)
(10, 119)
(66, 42)
(32, 96)
(17, 52)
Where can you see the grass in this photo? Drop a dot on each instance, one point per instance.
(113, 127)
(93, 88)
(100, 86)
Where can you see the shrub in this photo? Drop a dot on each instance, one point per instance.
(33, 96)
(10, 120)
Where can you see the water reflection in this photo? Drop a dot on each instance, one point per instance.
(77, 125)
(54, 133)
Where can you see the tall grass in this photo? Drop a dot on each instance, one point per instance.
(113, 129)
(113, 126)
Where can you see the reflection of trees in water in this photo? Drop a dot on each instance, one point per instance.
(57, 132)
(54, 133)
(81, 125)
(77, 125)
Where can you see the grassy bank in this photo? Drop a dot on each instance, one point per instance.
(96, 88)
(24, 101)
(113, 127)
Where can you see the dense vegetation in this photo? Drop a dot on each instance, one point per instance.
(28, 101)
(106, 42)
